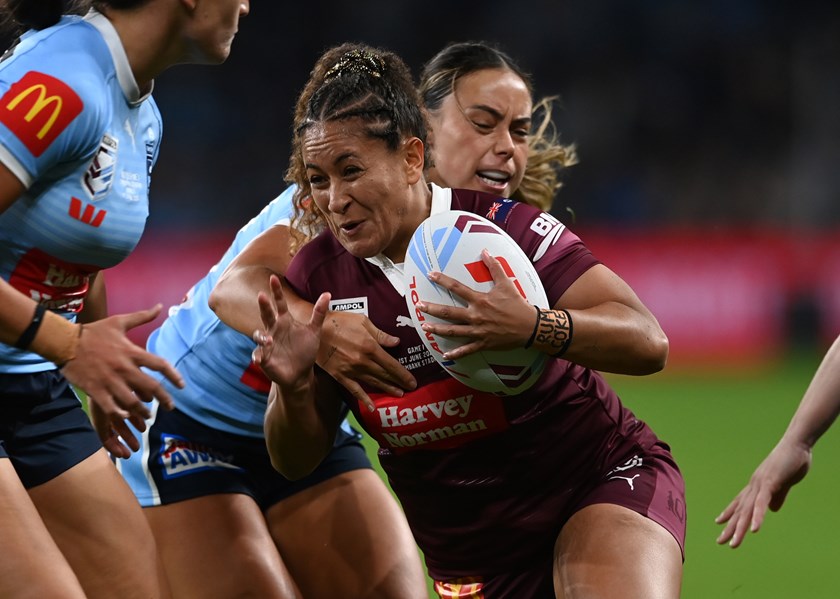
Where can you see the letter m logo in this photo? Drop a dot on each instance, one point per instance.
(37, 108)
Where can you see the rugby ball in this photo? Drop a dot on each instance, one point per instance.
(451, 242)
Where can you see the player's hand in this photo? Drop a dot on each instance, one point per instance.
(108, 367)
(499, 319)
(116, 436)
(286, 348)
(769, 485)
(352, 353)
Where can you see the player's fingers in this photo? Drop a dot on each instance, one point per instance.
(319, 311)
(495, 267)
(268, 312)
(395, 373)
(450, 313)
(453, 285)
(726, 514)
(158, 364)
(381, 337)
(106, 404)
(382, 385)
(277, 293)
(357, 392)
(128, 437)
(113, 446)
(463, 350)
(135, 319)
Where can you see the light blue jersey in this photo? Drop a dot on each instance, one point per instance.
(76, 130)
(224, 389)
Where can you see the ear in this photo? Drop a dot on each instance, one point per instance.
(414, 153)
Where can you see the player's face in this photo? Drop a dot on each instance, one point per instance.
(362, 187)
(480, 133)
(212, 28)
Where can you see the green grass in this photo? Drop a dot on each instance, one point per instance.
(720, 425)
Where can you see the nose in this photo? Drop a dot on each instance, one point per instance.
(338, 200)
(244, 7)
(503, 142)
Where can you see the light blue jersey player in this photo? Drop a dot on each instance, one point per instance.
(82, 138)
(213, 441)
(206, 483)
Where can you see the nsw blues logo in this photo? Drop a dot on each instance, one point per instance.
(100, 174)
(179, 456)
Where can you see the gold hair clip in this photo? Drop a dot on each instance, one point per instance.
(360, 61)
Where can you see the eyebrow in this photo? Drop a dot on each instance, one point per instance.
(339, 158)
(498, 115)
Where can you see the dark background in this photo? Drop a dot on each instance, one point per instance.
(716, 113)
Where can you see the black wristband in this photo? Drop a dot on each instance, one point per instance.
(568, 340)
(533, 336)
(28, 336)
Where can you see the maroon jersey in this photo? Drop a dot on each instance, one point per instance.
(486, 481)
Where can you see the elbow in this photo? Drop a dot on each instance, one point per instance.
(215, 299)
(656, 355)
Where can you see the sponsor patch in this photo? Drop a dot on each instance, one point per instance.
(57, 284)
(439, 415)
(37, 108)
(178, 456)
(358, 305)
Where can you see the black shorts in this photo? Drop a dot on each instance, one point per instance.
(43, 428)
(180, 459)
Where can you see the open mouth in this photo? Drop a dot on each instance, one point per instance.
(496, 179)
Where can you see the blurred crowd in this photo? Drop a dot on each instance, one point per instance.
(718, 113)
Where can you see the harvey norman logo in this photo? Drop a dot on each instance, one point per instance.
(439, 415)
(359, 305)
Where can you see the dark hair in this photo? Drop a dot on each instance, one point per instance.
(20, 15)
(354, 81)
(546, 155)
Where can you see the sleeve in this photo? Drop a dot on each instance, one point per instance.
(52, 109)
(559, 256)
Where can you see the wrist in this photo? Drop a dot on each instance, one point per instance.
(56, 339)
(554, 332)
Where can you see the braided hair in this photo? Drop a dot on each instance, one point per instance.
(352, 81)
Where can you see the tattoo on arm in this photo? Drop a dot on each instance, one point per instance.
(555, 331)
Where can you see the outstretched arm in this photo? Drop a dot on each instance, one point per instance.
(790, 459)
(303, 412)
(351, 346)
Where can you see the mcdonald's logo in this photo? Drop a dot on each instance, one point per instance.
(90, 215)
(37, 108)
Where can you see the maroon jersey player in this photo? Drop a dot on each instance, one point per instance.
(552, 492)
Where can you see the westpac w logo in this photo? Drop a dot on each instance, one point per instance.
(87, 213)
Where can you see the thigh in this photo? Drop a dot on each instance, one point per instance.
(612, 552)
(347, 537)
(32, 565)
(219, 546)
(100, 528)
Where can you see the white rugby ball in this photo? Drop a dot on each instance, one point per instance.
(451, 242)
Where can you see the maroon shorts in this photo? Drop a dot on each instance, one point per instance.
(649, 484)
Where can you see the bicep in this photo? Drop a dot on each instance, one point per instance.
(597, 286)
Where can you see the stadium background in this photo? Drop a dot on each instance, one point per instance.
(708, 135)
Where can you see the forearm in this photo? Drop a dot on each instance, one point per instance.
(299, 427)
(26, 325)
(821, 403)
(611, 337)
(234, 298)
